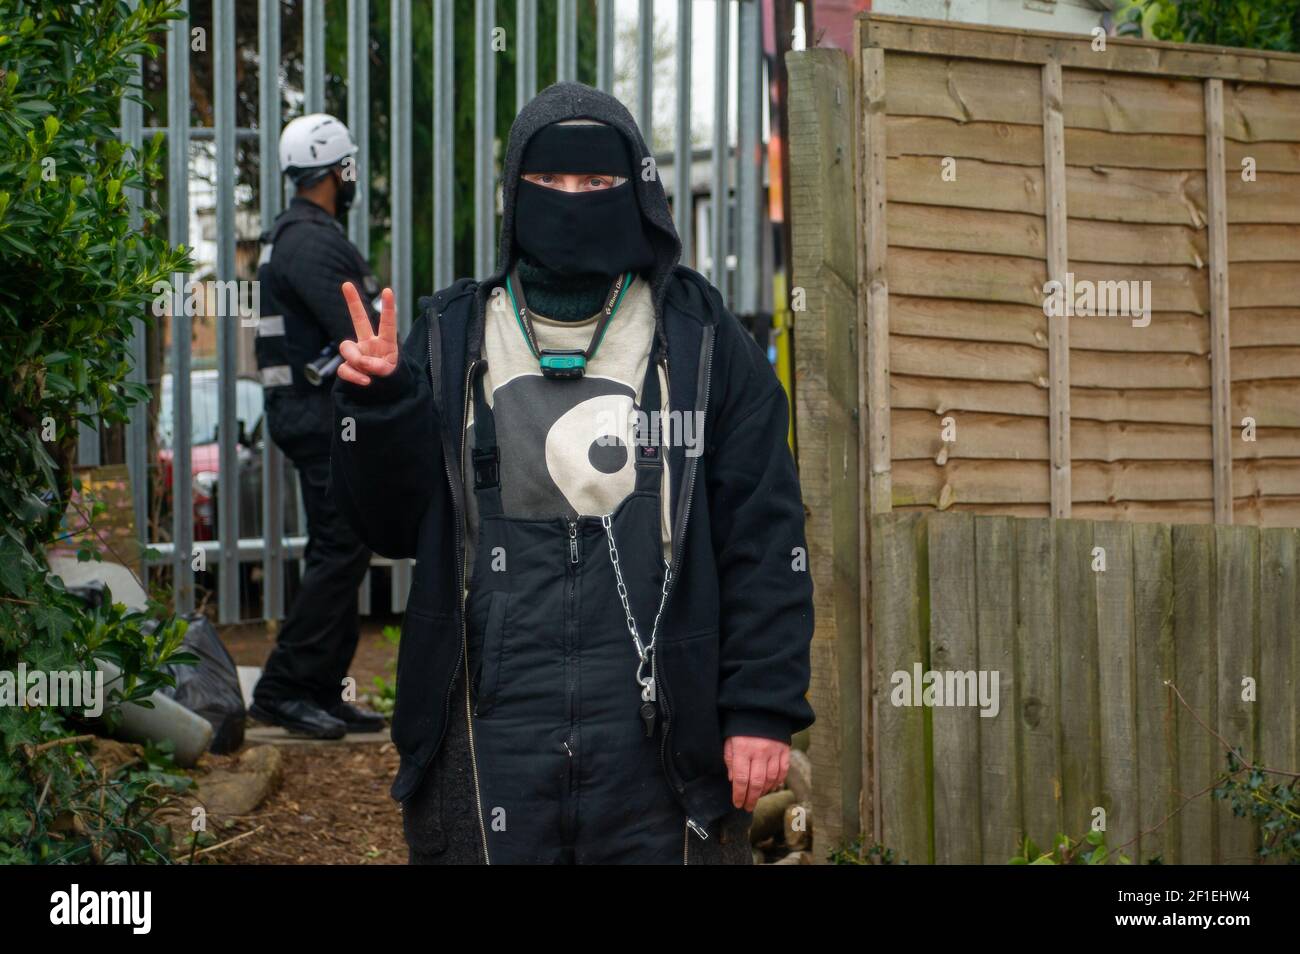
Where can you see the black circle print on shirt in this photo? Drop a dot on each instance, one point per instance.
(564, 447)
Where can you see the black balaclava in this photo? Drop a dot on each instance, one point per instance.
(579, 235)
(577, 101)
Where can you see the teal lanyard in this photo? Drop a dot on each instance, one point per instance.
(567, 362)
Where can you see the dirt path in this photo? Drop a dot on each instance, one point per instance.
(331, 809)
(332, 806)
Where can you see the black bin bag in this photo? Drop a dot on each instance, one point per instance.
(210, 687)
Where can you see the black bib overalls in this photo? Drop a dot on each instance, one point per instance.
(565, 770)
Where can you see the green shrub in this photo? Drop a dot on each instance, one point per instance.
(1275, 808)
(1091, 850)
(1256, 24)
(858, 852)
(384, 695)
(74, 275)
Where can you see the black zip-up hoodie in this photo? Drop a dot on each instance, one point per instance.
(733, 649)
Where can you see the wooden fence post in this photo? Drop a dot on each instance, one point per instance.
(1217, 226)
(824, 286)
(1058, 263)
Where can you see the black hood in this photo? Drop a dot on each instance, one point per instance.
(577, 101)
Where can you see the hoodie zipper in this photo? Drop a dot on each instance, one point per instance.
(463, 655)
(706, 356)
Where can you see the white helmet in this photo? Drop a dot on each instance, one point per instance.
(314, 141)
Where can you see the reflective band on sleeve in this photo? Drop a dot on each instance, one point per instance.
(266, 254)
(278, 376)
(270, 326)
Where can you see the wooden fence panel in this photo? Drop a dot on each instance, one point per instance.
(982, 162)
(1108, 169)
(1094, 630)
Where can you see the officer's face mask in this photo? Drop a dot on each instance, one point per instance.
(347, 193)
(580, 233)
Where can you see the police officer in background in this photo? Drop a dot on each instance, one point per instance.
(306, 257)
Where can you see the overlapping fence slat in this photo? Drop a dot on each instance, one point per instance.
(1015, 158)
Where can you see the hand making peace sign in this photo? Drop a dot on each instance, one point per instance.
(371, 355)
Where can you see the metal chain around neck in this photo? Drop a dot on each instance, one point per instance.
(644, 651)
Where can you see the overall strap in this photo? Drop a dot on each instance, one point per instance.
(486, 455)
(649, 444)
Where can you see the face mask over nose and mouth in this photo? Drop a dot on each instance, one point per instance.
(346, 195)
(596, 229)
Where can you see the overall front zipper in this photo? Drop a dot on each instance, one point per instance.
(706, 358)
(570, 667)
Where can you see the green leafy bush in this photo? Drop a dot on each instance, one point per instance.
(1256, 24)
(1275, 808)
(859, 852)
(1091, 850)
(73, 277)
(384, 694)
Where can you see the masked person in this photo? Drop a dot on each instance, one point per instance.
(305, 257)
(605, 650)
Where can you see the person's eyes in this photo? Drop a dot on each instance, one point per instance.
(599, 182)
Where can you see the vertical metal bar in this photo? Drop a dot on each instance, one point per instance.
(359, 126)
(682, 196)
(178, 225)
(605, 45)
(363, 595)
(401, 194)
(137, 428)
(566, 40)
(485, 108)
(526, 51)
(313, 55)
(645, 58)
(226, 313)
(359, 119)
(400, 156)
(88, 439)
(749, 159)
(268, 122)
(721, 102)
(443, 144)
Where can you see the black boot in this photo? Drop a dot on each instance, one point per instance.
(299, 717)
(355, 718)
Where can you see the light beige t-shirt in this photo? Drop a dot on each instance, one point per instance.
(566, 445)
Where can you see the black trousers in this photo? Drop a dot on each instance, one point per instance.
(318, 639)
(440, 819)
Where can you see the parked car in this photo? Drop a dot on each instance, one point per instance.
(205, 454)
